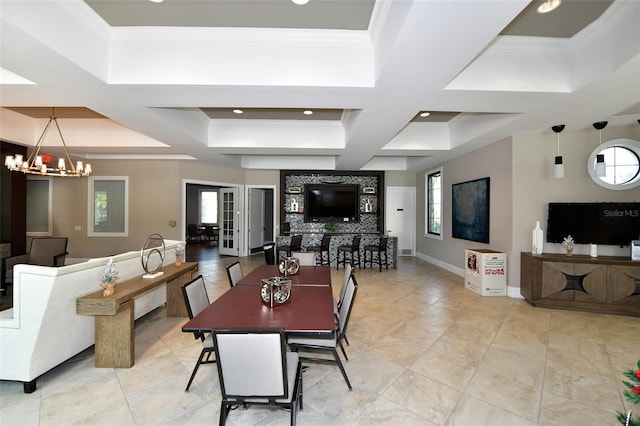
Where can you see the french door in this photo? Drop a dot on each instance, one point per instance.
(230, 229)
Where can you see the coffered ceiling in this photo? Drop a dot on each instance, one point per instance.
(161, 80)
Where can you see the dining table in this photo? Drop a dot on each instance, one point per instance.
(308, 311)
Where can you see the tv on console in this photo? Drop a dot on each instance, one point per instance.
(594, 223)
(331, 203)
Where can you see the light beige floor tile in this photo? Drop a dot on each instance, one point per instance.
(474, 412)
(448, 369)
(558, 411)
(501, 391)
(385, 412)
(424, 396)
(510, 365)
(588, 390)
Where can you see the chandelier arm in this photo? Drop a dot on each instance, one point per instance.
(66, 151)
(36, 151)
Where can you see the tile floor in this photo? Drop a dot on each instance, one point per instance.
(424, 351)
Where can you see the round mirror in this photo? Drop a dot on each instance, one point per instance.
(622, 160)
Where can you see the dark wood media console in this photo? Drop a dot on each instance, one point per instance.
(605, 284)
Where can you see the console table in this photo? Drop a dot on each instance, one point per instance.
(114, 319)
(605, 284)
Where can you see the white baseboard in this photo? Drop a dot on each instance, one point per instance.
(513, 292)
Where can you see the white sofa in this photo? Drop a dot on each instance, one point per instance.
(43, 330)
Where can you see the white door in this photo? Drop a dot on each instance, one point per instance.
(229, 201)
(256, 218)
(400, 216)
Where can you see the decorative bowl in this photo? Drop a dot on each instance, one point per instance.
(275, 290)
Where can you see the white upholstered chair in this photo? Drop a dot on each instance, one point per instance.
(318, 344)
(234, 273)
(197, 299)
(255, 367)
(305, 258)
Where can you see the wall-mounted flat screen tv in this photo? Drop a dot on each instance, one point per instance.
(331, 203)
(594, 223)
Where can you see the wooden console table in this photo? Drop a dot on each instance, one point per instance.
(605, 284)
(114, 318)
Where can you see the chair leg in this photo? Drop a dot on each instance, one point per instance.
(198, 364)
(224, 412)
(344, 373)
(343, 351)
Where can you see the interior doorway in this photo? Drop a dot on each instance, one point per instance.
(260, 217)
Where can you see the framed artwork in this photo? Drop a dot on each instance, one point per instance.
(470, 210)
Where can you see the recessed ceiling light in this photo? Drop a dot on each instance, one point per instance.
(156, 1)
(307, 112)
(548, 5)
(238, 111)
(300, 2)
(425, 114)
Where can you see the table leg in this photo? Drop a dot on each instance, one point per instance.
(115, 338)
(176, 306)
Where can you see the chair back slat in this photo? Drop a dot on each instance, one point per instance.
(251, 363)
(306, 258)
(195, 296)
(355, 245)
(347, 304)
(234, 273)
(48, 251)
(296, 243)
(326, 242)
(348, 271)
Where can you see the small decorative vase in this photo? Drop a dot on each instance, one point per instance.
(109, 288)
(569, 252)
(178, 260)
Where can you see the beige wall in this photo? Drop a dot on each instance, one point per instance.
(534, 186)
(522, 184)
(155, 198)
(492, 161)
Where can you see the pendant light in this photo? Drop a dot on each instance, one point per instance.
(558, 167)
(601, 166)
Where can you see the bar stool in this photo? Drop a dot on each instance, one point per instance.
(324, 246)
(381, 250)
(354, 253)
(295, 244)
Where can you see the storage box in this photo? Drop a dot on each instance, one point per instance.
(485, 272)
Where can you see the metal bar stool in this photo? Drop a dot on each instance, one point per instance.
(381, 250)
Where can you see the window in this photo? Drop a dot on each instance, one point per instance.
(622, 159)
(433, 208)
(108, 206)
(208, 206)
(39, 207)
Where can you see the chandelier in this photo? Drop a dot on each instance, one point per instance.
(36, 163)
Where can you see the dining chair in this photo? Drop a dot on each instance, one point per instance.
(354, 252)
(197, 299)
(44, 251)
(255, 367)
(318, 344)
(380, 250)
(193, 234)
(325, 243)
(348, 271)
(234, 273)
(305, 258)
(295, 244)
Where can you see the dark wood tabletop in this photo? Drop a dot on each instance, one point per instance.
(309, 310)
(307, 275)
